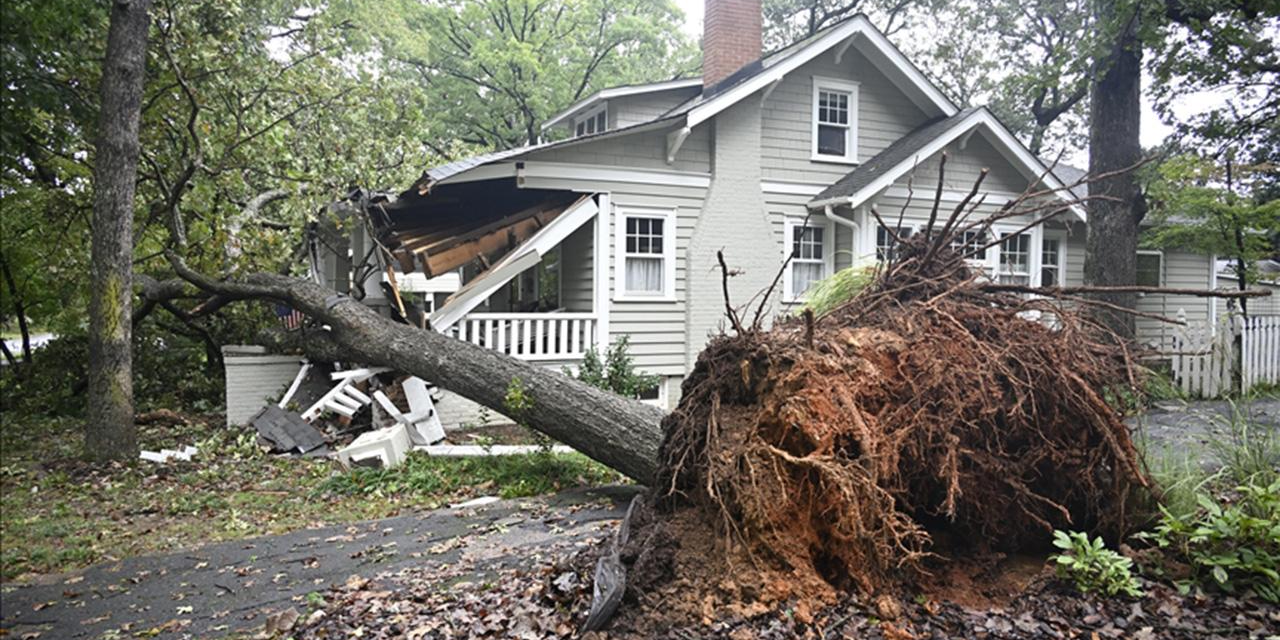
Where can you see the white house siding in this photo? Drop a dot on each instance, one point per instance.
(780, 207)
(733, 220)
(636, 109)
(884, 114)
(656, 328)
(576, 268)
(255, 379)
(1182, 270)
(962, 170)
(1268, 306)
(647, 150)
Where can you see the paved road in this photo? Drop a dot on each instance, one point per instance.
(217, 589)
(1189, 429)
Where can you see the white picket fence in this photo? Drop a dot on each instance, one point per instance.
(1260, 346)
(1204, 360)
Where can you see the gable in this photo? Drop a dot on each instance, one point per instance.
(883, 113)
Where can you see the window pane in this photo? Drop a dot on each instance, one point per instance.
(631, 225)
(1149, 269)
(600, 121)
(886, 245)
(1049, 276)
(831, 140)
(581, 128)
(644, 275)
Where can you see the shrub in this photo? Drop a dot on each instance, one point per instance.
(1092, 567)
(616, 373)
(838, 288)
(1232, 545)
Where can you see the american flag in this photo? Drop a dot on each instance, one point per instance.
(289, 317)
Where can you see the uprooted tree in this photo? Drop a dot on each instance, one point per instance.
(829, 453)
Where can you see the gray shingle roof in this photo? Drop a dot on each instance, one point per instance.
(893, 155)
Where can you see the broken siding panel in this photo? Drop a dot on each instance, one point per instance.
(884, 114)
(646, 150)
(576, 262)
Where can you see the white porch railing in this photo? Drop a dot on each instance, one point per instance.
(530, 336)
(1205, 361)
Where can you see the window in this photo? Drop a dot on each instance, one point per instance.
(886, 245)
(1015, 259)
(1051, 262)
(646, 254)
(1150, 268)
(807, 247)
(835, 120)
(593, 122)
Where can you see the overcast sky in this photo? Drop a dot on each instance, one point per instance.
(1153, 131)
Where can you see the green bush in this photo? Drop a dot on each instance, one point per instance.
(1092, 567)
(1233, 545)
(512, 476)
(838, 288)
(616, 373)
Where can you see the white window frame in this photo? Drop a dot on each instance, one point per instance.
(789, 224)
(1159, 273)
(875, 231)
(851, 136)
(1061, 238)
(660, 401)
(590, 116)
(668, 216)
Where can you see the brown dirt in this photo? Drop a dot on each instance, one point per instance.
(821, 459)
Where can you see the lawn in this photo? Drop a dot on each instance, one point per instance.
(58, 513)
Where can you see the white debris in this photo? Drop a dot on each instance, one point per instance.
(165, 455)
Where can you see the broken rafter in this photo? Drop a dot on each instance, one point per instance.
(445, 250)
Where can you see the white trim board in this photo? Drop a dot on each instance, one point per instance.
(587, 172)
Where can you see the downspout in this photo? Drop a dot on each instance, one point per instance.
(854, 230)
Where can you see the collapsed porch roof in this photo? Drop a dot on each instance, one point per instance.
(523, 257)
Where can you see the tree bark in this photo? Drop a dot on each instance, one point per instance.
(1111, 247)
(20, 310)
(621, 433)
(109, 431)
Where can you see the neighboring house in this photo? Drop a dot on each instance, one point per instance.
(610, 228)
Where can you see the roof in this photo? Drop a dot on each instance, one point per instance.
(618, 92)
(886, 167)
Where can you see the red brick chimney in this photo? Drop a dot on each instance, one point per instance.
(730, 38)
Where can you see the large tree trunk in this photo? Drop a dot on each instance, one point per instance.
(1115, 116)
(621, 433)
(110, 433)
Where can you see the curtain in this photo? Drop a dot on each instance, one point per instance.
(803, 275)
(644, 275)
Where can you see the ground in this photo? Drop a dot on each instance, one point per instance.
(497, 570)
(58, 514)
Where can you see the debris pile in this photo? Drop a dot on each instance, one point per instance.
(927, 417)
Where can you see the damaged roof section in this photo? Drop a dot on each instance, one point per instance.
(467, 224)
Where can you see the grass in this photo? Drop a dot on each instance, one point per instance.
(58, 513)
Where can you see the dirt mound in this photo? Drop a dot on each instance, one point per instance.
(829, 456)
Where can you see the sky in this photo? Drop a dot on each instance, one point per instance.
(1153, 131)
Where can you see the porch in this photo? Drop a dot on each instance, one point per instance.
(553, 336)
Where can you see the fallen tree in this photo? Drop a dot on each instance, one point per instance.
(619, 432)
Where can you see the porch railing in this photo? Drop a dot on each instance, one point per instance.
(530, 336)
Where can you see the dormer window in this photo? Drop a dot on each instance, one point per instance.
(835, 120)
(594, 121)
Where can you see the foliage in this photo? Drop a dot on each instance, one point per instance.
(509, 476)
(1209, 207)
(616, 373)
(495, 70)
(1092, 567)
(787, 21)
(1231, 544)
(517, 403)
(1029, 62)
(838, 288)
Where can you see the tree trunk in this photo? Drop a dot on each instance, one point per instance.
(621, 433)
(110, 433)
(20, 310)
(1115, 115)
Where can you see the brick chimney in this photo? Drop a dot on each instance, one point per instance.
(730, 38)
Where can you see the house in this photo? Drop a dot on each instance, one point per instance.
(610, 226)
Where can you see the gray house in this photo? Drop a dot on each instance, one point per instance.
(610, 226)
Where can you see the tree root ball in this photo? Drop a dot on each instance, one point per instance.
(808, 461)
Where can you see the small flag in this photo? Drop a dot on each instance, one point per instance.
(289, 317)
